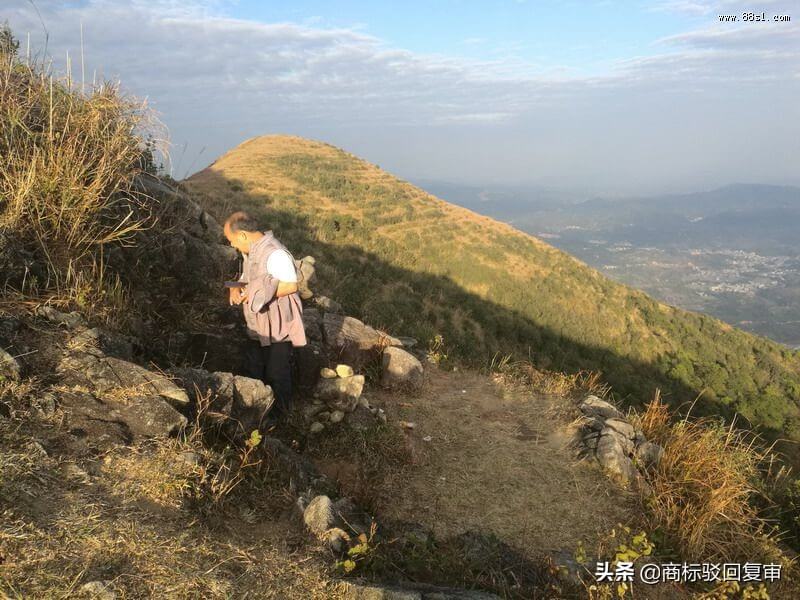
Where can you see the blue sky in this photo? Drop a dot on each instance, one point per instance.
(599, 97)
(581, 37)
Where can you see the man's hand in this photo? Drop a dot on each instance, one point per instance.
(237, 295)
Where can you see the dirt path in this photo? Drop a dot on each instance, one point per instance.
(498, 461)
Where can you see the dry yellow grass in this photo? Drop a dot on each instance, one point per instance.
(705, 488)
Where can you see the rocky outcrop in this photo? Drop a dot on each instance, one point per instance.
(239, 404)
(401, 369)
(621, 449)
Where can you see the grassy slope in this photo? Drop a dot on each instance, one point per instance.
(417, 265)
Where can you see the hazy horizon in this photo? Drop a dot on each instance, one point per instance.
(606, 98)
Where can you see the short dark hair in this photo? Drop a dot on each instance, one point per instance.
(241, 221)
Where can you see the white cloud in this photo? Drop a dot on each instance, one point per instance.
(219, 80)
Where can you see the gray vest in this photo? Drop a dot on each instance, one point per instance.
(270, 319)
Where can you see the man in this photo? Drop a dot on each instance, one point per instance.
(271, 305)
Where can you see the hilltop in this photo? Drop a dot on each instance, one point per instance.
(411, 263)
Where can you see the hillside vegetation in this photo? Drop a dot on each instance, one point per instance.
(412, 263)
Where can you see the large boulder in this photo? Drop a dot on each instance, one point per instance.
(401, 369)
(353, 342)
(118, 419)
(105, 375)
(341, 393)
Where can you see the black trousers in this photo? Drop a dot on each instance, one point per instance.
(272, 365)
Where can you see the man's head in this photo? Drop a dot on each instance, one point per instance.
(241, 231)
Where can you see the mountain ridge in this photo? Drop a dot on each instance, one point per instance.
(418, 264)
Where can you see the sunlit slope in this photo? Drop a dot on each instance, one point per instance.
(419, 266)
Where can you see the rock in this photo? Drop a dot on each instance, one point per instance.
(625, 442)
(45, 405)
(351, 340)
(593, 423)
(327, 373)
(612, 457)
(70, 320)
(361, 419)
(329, 305)
(9, 326)
(316, 427)
(341, 393)
(591, 440)
(305, 267)
(312, 321)
(593, 406)
(336, 539)
(323, 416)
(336, 416)
(9, 366)
(98, 590)
(319, 515)
(649, 454)
(106, 374)
(99, 342)
(622, 427)
(407, 342)
(400, 369)
(243, 400)
(344, 371)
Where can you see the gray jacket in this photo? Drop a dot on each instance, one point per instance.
(269, 319)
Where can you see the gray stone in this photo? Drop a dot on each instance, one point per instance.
(622, 427)
(624, 441)
(591, 440)
(312, 322)
(649, 454)
(9, 366)
(99, 342)
(336, 416)
(98, 590)
(352, 341)
(341, 393)
(593, 406)
(401, 369)
(105, 374)
(70, 320)
(612, 457)
(593, 423)
(329, 305)
(316, 427)
(319, 516)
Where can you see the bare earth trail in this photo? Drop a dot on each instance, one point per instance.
(498, 460)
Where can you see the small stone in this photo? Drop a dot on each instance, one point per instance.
(363, 402)
(336, 416)
(344, 371)
(316, 427)
(9, 367)
(319, 516)
(99, 590)
(649, 454)
(327, 373)
(382, 415)
(427, 438)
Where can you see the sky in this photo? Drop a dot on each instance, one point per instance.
(602, 97)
